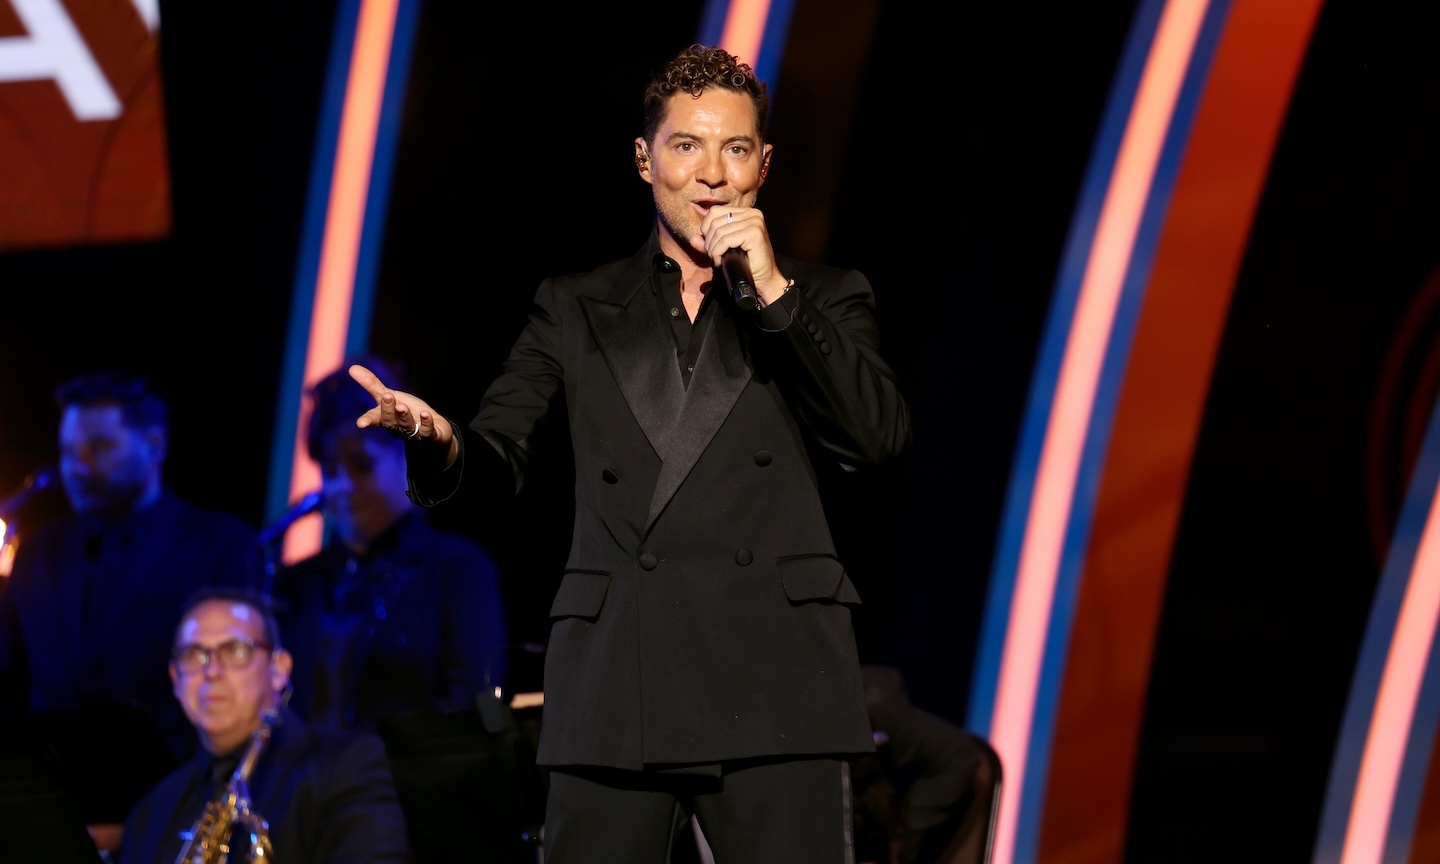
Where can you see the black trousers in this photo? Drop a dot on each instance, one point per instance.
(790, 811)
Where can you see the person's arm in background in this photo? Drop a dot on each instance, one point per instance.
(937, 759)
(943, 759)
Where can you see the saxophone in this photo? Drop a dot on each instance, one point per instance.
(209, 841)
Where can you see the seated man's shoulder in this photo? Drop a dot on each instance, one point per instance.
(153, 809)
(339, 754)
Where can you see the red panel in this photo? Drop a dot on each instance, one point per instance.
(1425, 846)
(71, 181)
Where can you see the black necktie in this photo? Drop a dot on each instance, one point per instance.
(221, 772)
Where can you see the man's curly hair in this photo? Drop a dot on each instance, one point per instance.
(695, 70)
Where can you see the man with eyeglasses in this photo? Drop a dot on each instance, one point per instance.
(327, 795)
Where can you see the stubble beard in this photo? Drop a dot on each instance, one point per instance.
(676, 220)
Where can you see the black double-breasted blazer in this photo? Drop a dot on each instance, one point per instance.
(703, 615)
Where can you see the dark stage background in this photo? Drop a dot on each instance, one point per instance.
(943, 160)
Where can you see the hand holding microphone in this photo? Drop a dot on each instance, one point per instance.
(736, 264)
(724, 230)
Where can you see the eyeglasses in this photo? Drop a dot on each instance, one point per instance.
(232, 654)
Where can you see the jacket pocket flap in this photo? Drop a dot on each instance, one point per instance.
(817, 577)
(581, 594)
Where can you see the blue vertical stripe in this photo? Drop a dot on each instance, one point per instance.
(991, 649)
(1097, 440)
(1370, 667)
(772, 42)
(712, 22)
(302, 299)
(322, 169)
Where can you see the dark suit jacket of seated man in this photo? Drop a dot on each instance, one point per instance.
(323, 795)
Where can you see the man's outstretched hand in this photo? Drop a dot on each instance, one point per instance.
(404, 415)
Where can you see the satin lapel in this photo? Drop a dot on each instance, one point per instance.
(641, 356)
(720, 375)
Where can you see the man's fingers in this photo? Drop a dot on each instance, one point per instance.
(393, 409)
(367, 379)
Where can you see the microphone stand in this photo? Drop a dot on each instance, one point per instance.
(275, 530)
(33, 485)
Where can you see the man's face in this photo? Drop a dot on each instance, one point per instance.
(224, 699)
(106, 466)
(364, 485)
(706, 152)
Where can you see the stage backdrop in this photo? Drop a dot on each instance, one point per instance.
(1238, 595)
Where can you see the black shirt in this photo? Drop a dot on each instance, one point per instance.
(665, 285)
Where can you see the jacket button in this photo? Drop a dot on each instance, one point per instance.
(824, 347)
(762, 458)
(744, 556)
(610, 476)
(648, 560)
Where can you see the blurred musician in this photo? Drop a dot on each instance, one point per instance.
(78, 614)
(262, 780)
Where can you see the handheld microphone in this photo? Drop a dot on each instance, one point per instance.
(304, 507)
(736, 264)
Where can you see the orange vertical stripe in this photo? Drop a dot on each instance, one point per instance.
(1157, 422)
(1395, 702)
(1060, 455)
(745, 28)
(340, 248)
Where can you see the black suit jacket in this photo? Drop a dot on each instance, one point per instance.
(328, 797)
(84, 626)
(703, 615)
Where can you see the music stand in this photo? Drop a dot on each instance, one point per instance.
(63, 770)
(469, 792)
(39, 818)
